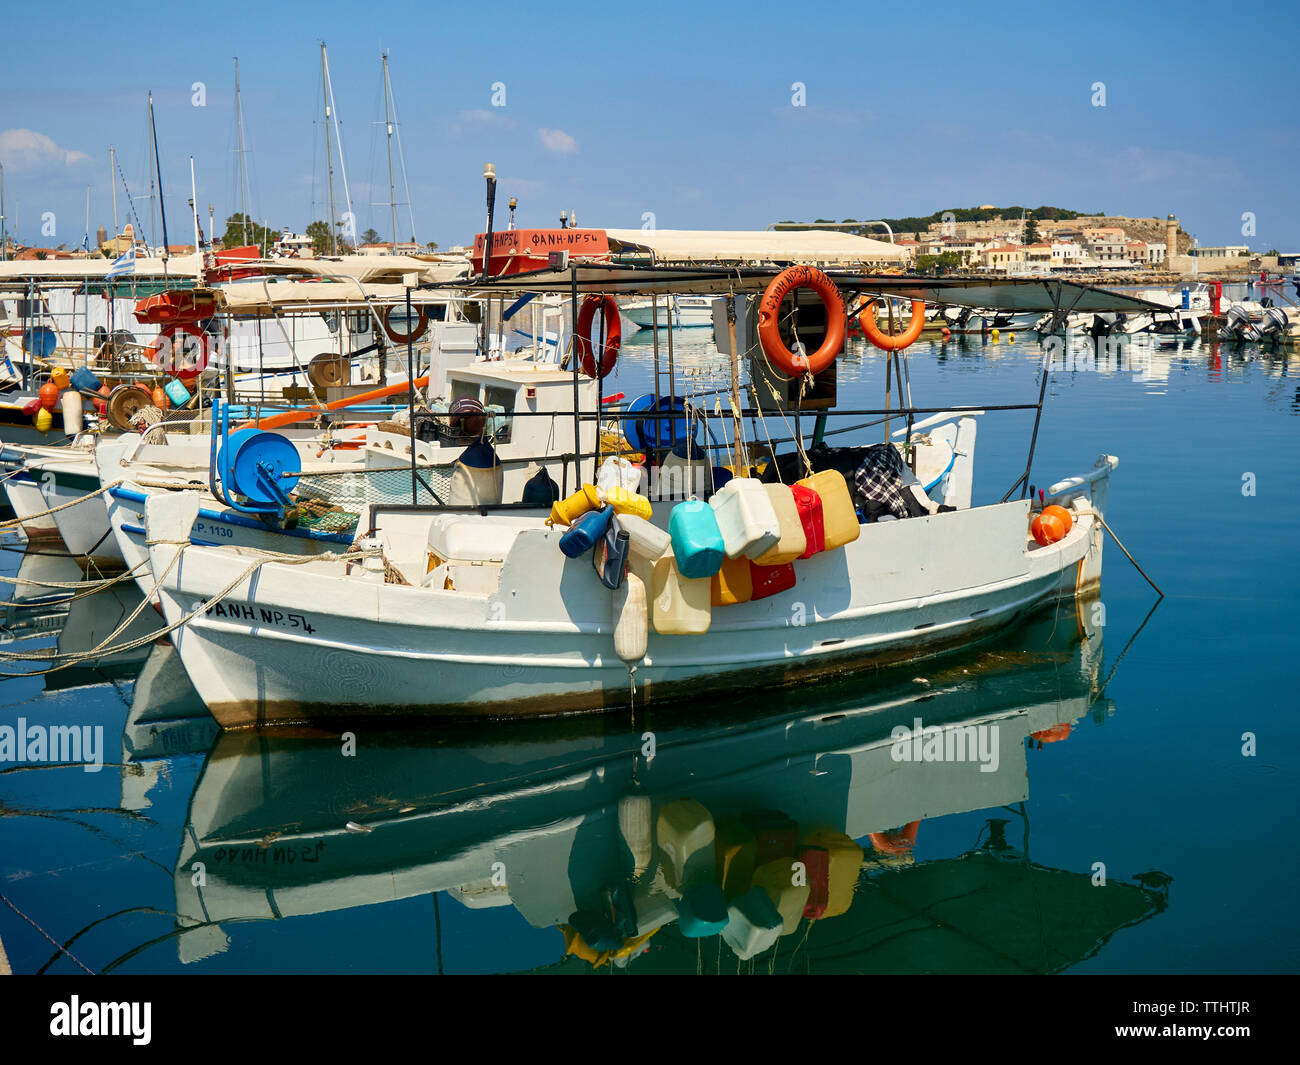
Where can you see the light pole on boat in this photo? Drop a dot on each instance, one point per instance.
(409, 281)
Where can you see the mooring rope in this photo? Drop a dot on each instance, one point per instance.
(16, 522)
(103, 649)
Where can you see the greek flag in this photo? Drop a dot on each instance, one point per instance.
(123, 264)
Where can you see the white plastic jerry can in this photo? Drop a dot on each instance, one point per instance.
(746, 518)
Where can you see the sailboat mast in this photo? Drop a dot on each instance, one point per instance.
(329, 158)
(153, 150)
(338, 136)
(243, 172)
(4, 237)
(162, 207)
(388, 124)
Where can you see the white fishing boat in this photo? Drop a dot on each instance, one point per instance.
(677, 312)
(476, 611)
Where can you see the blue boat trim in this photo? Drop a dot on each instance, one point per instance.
(138, 530)
(226, 518)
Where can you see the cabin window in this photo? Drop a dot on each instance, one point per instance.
(463, 390)
(500, 423)
(359, 322)
(331, 320)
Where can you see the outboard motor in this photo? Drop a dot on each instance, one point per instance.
(1274, 322)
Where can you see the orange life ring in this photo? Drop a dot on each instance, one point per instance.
(885, 342)
(899, 841)
(168, 362)
(613, 335)
(418, 330)
(769, 334)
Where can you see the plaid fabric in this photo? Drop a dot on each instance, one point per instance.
(880, 478)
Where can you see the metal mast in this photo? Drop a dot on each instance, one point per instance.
(388, 124)
(243, 171)
(329, 158)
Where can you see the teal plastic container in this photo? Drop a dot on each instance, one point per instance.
(702, 911)
(697, 542)
(583, 535)
(177, 393)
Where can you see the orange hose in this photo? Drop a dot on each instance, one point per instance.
(291, 416)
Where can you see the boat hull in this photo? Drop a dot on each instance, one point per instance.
(315, 643)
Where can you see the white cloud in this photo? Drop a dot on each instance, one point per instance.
(557, 141)
(25, 149)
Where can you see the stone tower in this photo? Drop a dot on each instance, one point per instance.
(1171, 236)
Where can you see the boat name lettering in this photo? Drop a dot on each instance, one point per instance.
(273, 855)
(247, 612)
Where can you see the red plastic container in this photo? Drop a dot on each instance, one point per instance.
(810, 513)
(775, 835)
(817, 867)
(771, 580)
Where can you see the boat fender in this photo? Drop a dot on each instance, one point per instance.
(631, 620)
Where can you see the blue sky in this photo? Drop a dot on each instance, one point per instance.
(681, 110)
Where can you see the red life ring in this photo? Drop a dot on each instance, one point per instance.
(769, 334)
(396, 336)
(168, 360)
(885, 342)
(613, 335)
(899, 841)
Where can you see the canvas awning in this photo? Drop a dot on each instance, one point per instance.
(374, 268)
(1015, 294)
(178, 267)
(813, 246)
(258, 297)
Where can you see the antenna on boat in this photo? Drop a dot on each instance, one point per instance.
(243, 170)
(162, 206)
(112, 184)
(194, 211)
(490, 176)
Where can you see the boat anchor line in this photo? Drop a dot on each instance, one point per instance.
(105, 647)
(1120, 544)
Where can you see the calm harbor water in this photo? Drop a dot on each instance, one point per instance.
(465, 849)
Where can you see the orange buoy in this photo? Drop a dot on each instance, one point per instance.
(769, 333)
(160, 399)
(48, 395)
(1061, 513)
(892, 343)
(1055, 734)
(1048, 529)
(584, 341)
(899, 841)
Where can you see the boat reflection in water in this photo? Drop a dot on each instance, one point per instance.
(642, 843)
